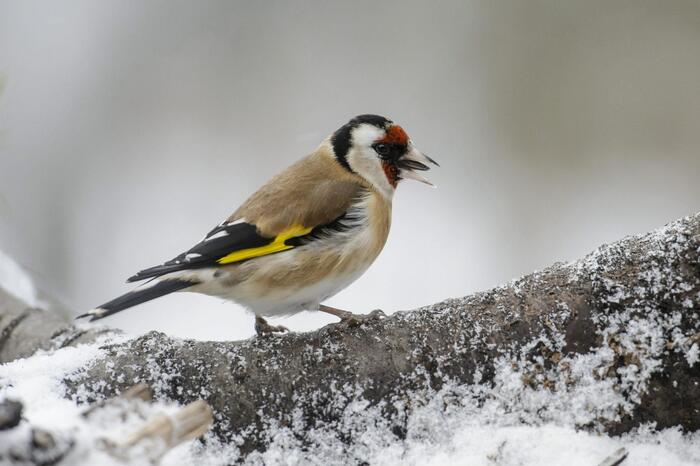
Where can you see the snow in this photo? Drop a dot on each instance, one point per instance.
(693, 356)
(39, 383)
(460, 425)
(549, 444)
(15, 281)
(533, 411)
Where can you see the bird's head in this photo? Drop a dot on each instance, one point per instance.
(379, 151)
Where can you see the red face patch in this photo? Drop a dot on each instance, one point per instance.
(395, 135)
(391, 172)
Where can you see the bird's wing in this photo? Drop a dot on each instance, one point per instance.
(291, 209)
(228, 243)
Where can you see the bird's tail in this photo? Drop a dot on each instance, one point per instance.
(148, 291)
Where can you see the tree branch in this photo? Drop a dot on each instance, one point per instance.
(622, 322)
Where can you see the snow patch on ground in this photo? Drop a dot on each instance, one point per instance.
(466, 438)
(548, 445)
(39, 383)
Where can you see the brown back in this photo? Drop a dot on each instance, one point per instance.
(314, 191)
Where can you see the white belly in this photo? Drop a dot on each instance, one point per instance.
(286, 301)
(308, 283)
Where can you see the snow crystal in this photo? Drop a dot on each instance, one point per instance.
(692, 355)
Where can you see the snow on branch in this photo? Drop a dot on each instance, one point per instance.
(608, 343)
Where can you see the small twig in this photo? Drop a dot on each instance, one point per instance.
(164, 432)
(6, 332)
(616, 458)
(140, 391)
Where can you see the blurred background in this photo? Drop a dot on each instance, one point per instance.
(129, 129)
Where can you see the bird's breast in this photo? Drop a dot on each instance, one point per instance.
(347, 251)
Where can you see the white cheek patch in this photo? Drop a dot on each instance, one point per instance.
(364, 161)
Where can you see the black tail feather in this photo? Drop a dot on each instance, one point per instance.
(138, 296)
(158, 270)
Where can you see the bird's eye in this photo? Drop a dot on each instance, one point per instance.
(381, 149)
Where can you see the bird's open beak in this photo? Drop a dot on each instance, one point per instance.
(413, 162)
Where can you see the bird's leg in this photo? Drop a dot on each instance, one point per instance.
(262, 328)
(350, 319)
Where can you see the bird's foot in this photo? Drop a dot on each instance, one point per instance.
(262, 328)
(348, 319)
(355, 320)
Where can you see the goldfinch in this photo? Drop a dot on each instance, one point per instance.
(304, 236)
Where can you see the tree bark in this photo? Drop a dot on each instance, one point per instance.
(24, 330)
(624, 318)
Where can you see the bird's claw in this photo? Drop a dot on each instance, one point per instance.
(262, 328)
(355, 320)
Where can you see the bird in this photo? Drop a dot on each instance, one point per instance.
(305, 235)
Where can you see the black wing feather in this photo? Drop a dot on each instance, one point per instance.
(221, 241)
(231, 237)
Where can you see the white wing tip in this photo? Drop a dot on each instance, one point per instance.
(95, 313)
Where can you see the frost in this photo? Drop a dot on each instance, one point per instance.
(537, 403)
(693, 356)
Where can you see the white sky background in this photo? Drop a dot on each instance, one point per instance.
(128, 130)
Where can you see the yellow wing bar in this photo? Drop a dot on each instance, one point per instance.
(276, 245)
